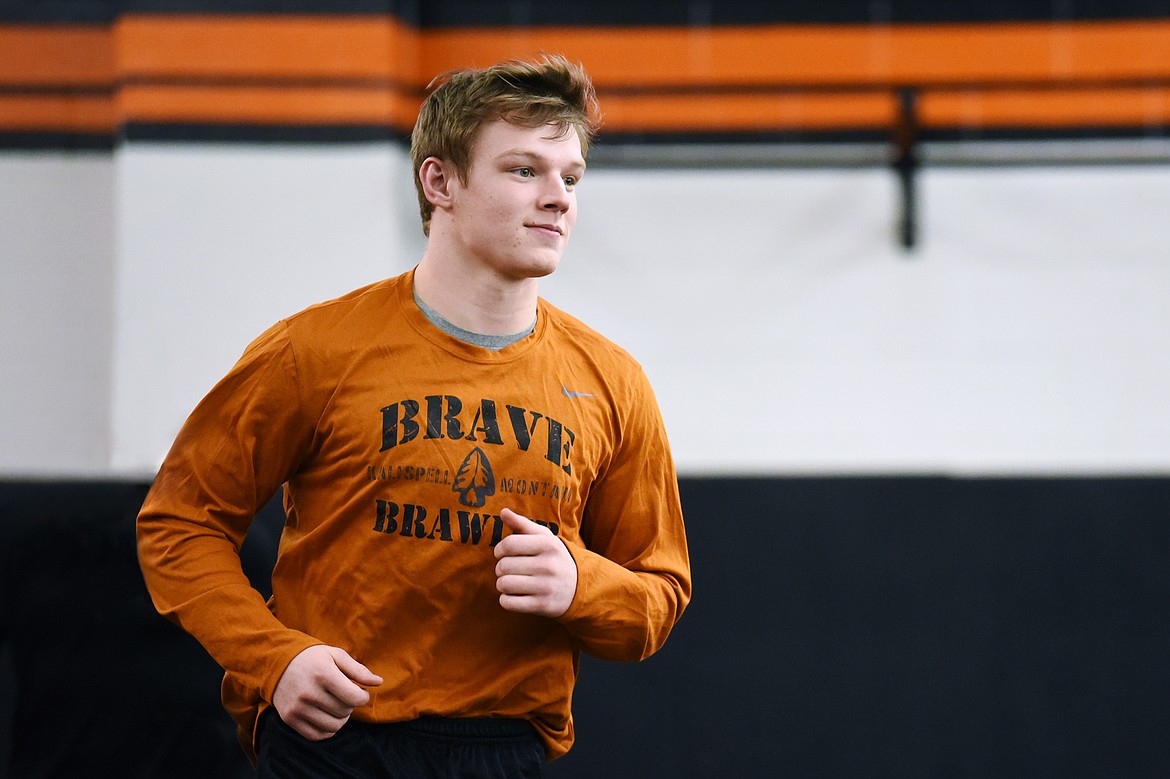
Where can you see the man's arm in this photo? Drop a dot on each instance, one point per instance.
(235, 450)
(633, 575)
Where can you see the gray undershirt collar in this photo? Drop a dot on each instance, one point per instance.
(493, 342)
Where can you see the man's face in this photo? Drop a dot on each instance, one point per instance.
(514, 214)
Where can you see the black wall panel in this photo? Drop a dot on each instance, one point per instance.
(96, 683)
(841, 627)
(903, 627)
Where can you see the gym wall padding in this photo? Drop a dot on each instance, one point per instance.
(897, 626)
(903, 627)
(95, 682)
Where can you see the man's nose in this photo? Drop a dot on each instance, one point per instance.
(556, 195)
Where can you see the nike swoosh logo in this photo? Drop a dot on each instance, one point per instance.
(570, 394)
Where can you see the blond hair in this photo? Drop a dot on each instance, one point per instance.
(551, 90)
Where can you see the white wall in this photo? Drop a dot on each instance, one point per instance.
(57, 261)
(782, 327)
(786, 331)
(219, 242)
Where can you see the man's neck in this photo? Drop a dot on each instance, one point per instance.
(479, 302)
(492, 342)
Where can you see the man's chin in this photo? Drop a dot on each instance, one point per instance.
(538, 268)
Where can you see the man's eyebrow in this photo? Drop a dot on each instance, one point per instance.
(525, 154)
(518, 152)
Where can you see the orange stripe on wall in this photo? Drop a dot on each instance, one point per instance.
(1051, 109)
(818, 55)
(819, 112)
(367, 70)
(261, 105)
(623, 113)
(274, 47)
(382, 47)
(55, 56)
(55, 113)
(747, 113)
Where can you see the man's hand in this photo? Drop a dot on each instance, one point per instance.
(319, 691)
(535, 573)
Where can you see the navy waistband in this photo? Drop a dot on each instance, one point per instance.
(478, 727)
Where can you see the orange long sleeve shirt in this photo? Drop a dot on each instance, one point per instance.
(398, 446)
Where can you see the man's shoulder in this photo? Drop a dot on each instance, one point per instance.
(372, 299)
(340, 328)
(571, 331)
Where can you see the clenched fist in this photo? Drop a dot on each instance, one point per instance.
(535, 573)
(320, 689)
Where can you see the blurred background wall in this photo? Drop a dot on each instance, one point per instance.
(900, 276)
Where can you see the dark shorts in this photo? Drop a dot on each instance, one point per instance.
(429, 748)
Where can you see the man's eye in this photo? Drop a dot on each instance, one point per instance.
(525, 172)
(570, 181)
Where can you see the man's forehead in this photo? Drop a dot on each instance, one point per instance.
(502, 138)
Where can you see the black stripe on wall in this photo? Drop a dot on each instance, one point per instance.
(346, 134)
(261, 134)
(56, 141)
(473, 13)
(619, 139)
(58, 11)
(459, 13)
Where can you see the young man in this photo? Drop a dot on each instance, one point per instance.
(478, 487)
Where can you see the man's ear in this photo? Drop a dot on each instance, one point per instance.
(436, 176)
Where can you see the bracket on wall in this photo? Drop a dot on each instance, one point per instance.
(906, 164)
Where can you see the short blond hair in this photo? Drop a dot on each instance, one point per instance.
(551, 90)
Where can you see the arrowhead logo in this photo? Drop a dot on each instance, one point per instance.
(474, 480)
